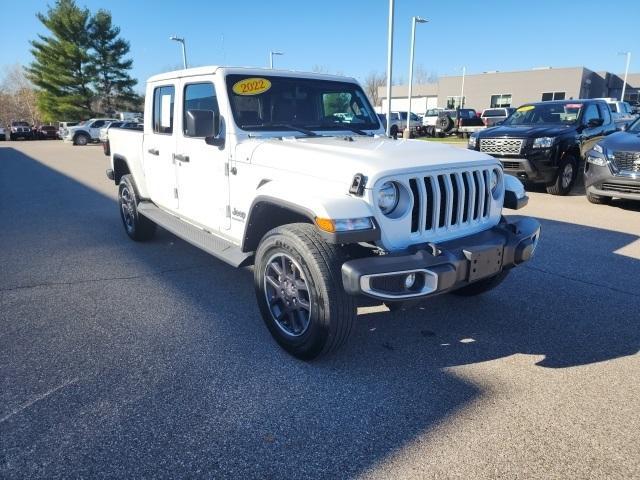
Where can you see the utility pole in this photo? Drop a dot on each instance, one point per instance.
(414, 21)
(464, 71)
(271, 54)
(626, 72)
(184, 49)
(389, 65)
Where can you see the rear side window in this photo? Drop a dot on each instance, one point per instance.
(496, 112)
(613, 107)
(604, 112)
(199, 96)
(163, 100)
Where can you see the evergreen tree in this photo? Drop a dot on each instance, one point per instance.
(109, 67)
(62, 66)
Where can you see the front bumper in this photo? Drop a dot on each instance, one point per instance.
(532, 165)
(600, 180)
(445, 267)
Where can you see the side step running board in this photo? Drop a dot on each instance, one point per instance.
(216, 246)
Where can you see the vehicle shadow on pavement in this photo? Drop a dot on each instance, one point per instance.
(150, 359)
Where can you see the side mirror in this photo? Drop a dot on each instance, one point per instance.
(204, 123)
(595, 122)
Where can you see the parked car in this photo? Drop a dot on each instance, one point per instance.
(461, 121)
(492, 116)
(244, 164)
(63, 126)
(431, 117)
(46, 132)
(104, 133)
(399, 122)
(545, 142)
(20, 130)
(612, 167)
(3, 134)
(87, 131)
(621, 111)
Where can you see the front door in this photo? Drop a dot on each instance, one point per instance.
(203, 181)
(159, 147)
(590, 134)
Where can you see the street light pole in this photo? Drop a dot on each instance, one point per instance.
(414, 20)
(389, 65)
(626, 72)
(464, 71)
(184, 49)
(271, 54)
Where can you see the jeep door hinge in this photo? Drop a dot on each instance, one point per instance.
(226, 169)
(175, 193)
(228, 211)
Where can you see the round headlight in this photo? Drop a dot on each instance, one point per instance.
(388, 197)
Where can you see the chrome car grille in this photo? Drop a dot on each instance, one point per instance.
(450, 200)
(627, 161)
(501, 146)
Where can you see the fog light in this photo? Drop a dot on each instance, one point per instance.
(409, 281)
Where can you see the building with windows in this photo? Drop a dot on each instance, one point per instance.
(511, 89)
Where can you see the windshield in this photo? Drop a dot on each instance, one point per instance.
(545, 113)
(634, 127)
(273, 103)
(20, 124)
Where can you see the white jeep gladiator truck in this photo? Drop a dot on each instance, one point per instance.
(291, 173)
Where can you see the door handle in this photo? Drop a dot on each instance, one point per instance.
(154, 151)
(180, 157)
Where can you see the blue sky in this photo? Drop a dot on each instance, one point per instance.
(350, 36)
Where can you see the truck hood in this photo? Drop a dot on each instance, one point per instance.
(340, 158)
(527, 131)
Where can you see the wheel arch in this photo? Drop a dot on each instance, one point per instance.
(120, 168)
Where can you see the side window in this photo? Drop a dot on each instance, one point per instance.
(604, 113)
(198, 97)
(98, 124)
(163, 109)
(590, 113)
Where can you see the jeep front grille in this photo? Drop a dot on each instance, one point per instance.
(627, 161)
(501, 146)
(450, 200)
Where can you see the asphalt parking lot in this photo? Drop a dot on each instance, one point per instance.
(129, 360)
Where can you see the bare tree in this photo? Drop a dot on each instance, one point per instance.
(372, 83)
(421, 75)
(17, 97)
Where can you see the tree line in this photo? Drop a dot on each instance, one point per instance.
(80, 68)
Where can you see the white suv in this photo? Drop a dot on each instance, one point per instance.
(87, 131)
(291, 173)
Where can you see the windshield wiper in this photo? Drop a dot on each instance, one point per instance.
(288, 126)
(346, 126)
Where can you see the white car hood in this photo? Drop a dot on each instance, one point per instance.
(340, 158)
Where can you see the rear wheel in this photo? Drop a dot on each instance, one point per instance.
(567, 172)
(298, 284)
(394, 131)
(138, 227)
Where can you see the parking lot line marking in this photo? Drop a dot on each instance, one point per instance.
(37, 398)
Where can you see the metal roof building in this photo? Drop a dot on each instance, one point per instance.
(495, 89)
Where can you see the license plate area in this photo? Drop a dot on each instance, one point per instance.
(484, 261)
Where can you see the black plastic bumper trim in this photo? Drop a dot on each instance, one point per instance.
(512, 242)
(110, 174)
(512, 202)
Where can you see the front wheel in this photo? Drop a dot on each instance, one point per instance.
(567, 172)
(298, 284)
(81, 139)
(138, 227)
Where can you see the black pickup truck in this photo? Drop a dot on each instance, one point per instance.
(545, 142)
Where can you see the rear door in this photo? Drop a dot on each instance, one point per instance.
(159, 147)
(202, 176)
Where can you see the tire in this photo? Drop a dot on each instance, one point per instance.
(564, 181)
(597, 199)
(394, 131)
(138, 227)
(81, 139)
(444, 123)
(312, 278)
(482, 286)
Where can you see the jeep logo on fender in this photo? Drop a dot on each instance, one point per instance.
(239, 214)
